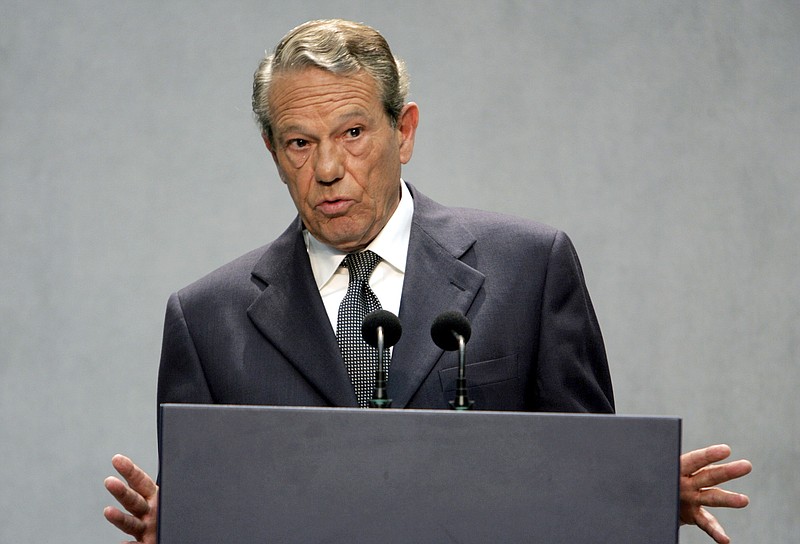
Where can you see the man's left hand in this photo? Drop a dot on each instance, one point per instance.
(699, 478)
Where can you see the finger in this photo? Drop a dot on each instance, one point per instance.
(695, 460)
(132, 501)
(721, 498)
(718, 474)
(711, 526)
(124, 522)
(137, 479)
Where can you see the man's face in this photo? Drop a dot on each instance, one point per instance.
(337, 152)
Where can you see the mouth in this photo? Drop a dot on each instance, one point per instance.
(334, 206)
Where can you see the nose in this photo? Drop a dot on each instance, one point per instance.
(329, 166)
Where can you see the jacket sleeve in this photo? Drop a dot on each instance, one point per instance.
(180, 375)
(572, 374)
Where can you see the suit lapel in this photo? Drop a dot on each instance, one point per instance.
(290, 314)
(436, 280)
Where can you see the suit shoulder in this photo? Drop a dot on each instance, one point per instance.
(506, 231)
(436, 217)
(232, 277)
(495, 221)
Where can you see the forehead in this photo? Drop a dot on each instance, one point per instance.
(311, 94)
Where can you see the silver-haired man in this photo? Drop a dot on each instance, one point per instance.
(331, 103)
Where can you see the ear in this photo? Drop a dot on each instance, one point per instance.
(407, 130)
(269, 146)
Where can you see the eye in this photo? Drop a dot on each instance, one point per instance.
(297, 143)
(354, 132)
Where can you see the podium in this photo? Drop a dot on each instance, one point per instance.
(247, 474)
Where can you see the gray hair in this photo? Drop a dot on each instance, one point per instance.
(340, 47)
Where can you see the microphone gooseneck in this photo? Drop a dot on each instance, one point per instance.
(451, 331)
(381, 329)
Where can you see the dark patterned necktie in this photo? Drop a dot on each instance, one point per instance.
(359, 357)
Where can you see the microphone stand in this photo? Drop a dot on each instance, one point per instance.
(380, 397)
(461, 401)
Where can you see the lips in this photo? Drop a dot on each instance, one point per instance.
(334, 207)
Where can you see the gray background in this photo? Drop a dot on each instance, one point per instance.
(662, 136)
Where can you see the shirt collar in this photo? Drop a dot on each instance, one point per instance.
(391, 244)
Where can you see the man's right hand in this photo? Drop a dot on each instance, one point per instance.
(139, 497)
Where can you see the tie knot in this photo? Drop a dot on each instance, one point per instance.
(361, 264)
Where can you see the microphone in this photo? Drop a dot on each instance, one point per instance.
(381, 329)
(451, 331)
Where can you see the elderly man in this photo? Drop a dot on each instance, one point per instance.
(273, 327)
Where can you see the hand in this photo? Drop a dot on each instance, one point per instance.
(697, 488)
(139, 497)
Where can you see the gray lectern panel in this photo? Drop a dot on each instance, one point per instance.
(269, 474)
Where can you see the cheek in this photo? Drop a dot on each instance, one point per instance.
(289, 161)
(359, 148)
(298, 190)
(291, 173)
(298, 159)
(376, 167)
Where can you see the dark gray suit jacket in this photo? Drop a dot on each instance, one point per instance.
(255, 331)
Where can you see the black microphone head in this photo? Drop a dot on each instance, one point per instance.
(390, 324)
(447, 327)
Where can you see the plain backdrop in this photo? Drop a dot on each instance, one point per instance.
(663, 137)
